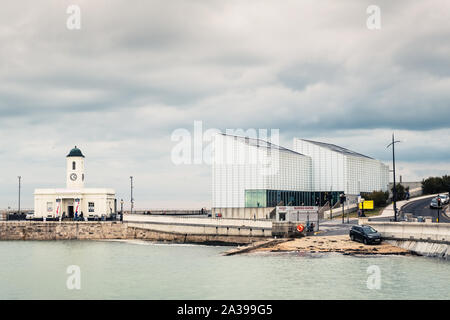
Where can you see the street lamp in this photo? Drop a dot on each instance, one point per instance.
(121, 209)
(394, 190)
(20, 185)
(132, 200)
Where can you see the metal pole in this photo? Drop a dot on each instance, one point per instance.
(438, 213)
(362, 208)
(20, 178)
(318, 219)
(348, 212)
(343, 211)
(132, 200)
(394, 191)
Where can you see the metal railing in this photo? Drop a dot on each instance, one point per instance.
(169, 212)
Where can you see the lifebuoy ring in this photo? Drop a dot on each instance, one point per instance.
(300, 228)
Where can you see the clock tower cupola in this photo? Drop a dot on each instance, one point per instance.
(75, 169)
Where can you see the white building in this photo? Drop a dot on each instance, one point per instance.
(251, 176)
(74, 200)
(339, 169)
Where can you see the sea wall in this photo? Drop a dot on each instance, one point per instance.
(54, 230)
(424, 238)
(201, 226)
(50, 230)
(429, 249)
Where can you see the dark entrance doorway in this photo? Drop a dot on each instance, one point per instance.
(70, 209)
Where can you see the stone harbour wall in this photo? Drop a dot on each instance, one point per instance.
(50, 230)
(37, 230)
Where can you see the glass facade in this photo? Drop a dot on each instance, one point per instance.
(271, 198)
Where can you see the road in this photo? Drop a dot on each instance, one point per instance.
(422, 208)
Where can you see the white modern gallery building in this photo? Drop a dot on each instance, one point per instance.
(75, 199)
(252, 176)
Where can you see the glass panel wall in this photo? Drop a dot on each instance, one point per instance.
(255, 198)
(272, 198)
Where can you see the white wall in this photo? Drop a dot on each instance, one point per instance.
(238, 166)
(103, 202)
(79, 171)
(343, 172)
(328, 167)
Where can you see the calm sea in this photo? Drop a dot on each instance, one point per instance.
(144, 270)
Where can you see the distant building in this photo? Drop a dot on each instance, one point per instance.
(252, 176)
(74, 199)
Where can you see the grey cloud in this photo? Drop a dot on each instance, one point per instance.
(134, 73)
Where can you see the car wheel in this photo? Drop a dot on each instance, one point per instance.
(352, 237)
(365, 241)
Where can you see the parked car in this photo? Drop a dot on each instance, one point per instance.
(434, 204)
(218, 215)
(29, 216)
(444, 198)
(365, 234)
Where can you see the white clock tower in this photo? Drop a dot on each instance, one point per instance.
(75, 169)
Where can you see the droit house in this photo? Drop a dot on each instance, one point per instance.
(252, 176)
(74, 199)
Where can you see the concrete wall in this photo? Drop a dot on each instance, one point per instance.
(243, 213)
(431, 239)
(433, 232)
(201, 226)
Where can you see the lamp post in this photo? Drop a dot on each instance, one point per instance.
(438, 206)
(132, 200)
(394, 190)
(121, 209)
(342, 198)
(20, 185)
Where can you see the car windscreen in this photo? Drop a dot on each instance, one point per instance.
(369, 230)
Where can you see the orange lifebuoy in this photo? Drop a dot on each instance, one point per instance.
(300, 228)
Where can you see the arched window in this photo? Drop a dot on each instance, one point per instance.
(74, 166)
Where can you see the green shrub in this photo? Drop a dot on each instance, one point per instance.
(436, 185)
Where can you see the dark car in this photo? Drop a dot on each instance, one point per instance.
(365, 234)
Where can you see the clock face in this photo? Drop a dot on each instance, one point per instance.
(73, 177)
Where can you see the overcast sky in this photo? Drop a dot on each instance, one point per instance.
(137, 70)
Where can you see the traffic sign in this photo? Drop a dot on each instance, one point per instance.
(368, 204)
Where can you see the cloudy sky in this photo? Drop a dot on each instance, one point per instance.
(138, 70)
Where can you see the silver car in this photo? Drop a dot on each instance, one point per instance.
(444, 198)
(434, 204)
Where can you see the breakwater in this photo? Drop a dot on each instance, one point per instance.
(55, 230)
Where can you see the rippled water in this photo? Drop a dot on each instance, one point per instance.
(143, 270)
